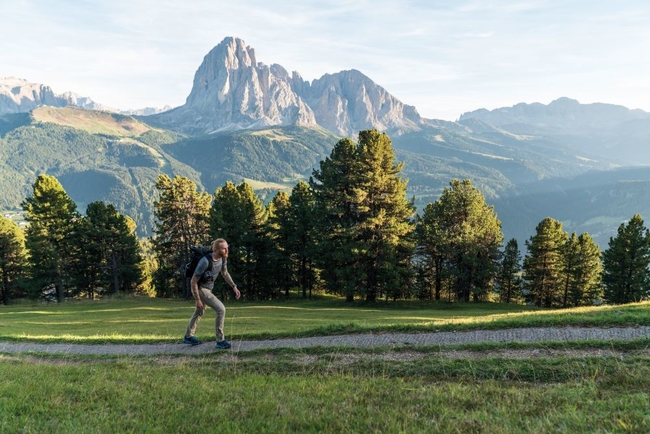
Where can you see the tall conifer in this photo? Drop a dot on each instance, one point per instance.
(181, 213)
(12, 259)
(462, 232)
(52, 217)
(508, 274)
(625, 263)
(365, 219)
(543, 264)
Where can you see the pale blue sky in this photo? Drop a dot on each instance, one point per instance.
(443, 57)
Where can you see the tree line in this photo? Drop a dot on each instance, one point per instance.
(350, 230)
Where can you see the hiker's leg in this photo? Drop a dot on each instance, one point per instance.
(194, 320)
(211, 300)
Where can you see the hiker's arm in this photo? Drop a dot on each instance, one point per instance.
(229, 281)
(201, 267)
(194, 285)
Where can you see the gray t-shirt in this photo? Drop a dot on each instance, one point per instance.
(207, 277)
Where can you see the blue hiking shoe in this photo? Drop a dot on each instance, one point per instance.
(223, 345)
(192, 341)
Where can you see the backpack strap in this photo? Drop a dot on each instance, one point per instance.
(207, 256)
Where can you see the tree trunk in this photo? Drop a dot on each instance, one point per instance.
(116, 280)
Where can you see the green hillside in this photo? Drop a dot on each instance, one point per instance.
(115, 158)
(119, 168)
(93, 122)
(280, 155)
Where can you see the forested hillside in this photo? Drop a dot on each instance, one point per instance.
(116, 158)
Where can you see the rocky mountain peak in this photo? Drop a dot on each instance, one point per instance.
(18, 95)
(232, 90)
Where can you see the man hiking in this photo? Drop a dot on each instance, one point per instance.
(202, 283)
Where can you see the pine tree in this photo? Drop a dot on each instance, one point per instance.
(52, 217)
(570, 266)
(279, 228)
(337, 201)
(181, 221)
(543, 264)
(365, 219)
(508, 274)
(112, 236)
(625, 263)
(301, 240)
(466, 235)
(588, 284)
(12, 259)
(239, 216)
(432, 248)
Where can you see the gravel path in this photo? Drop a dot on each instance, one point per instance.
(359, 340)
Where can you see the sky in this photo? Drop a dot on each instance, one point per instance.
(443, 57)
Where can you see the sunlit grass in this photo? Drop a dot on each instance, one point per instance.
(319, 389)
(278, 392)
(142, 320)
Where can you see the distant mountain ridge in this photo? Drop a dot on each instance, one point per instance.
(611, 131)
(18, 95)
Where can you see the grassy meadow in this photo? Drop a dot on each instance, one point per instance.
(487, 388)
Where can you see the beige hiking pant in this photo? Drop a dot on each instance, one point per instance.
(208, 299)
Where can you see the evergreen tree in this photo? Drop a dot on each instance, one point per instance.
(588, 284)
(625, 263)
(279, 228)
(12, 259)
(466, 235)
(581, 271)
(52, 217)
(570, 265)
(88, 260)
(386, 227)
(337, 201)
(543, 264)
(433, 249)
(181, 221)
(111, 236)
(238, 215)
(364, 218)
(508, 274)
(301, 241)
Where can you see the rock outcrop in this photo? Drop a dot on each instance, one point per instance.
(19, 96)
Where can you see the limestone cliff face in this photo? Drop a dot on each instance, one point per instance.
(19, 96)
(232, 90)
(348, 102)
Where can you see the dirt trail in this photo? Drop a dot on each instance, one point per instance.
(566, 334)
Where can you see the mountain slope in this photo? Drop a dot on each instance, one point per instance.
(116, 158)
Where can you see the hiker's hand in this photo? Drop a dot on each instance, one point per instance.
(199, 303)
(237, 293)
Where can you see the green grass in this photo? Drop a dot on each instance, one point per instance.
(278, 394)
(322, 390)
(145, 320)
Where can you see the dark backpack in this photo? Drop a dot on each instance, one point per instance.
(197, 252)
